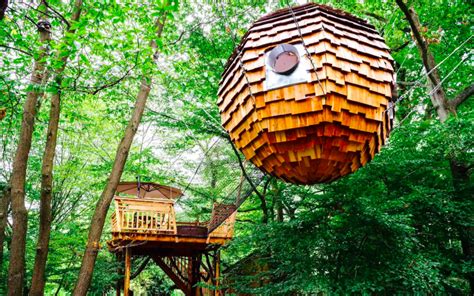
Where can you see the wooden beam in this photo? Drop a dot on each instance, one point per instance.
(194, 276)
(169, 272)
(128, 265)
(217, 260)
(120, 273)
(166, 237)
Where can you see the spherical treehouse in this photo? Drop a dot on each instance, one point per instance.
(306, 96)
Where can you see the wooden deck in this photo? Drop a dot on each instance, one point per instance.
(152, 222)
(188, 252)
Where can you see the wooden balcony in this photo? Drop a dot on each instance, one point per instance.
(188, 252)
(143, 215)
(151, 223)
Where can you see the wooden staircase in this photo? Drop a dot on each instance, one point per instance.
(186, 273)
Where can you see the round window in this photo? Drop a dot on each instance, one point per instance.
(283, 59)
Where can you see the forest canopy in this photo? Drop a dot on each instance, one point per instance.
(90, 89)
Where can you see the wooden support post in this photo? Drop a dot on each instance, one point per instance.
(217, 270)
(190, 276)
(128, 265)
(120, 273)
(194, 266)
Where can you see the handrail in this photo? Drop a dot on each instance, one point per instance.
(181, 223)
(153, 216)
(143, 216)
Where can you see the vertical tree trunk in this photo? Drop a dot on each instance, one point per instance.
(438, 98)
(37, 282)
(278, 204)
(463, 190)
(4, 203)
(38, 279)
(264, 208)
(98, 219)
(16, 271)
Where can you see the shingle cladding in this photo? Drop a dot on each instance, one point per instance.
(325, 128)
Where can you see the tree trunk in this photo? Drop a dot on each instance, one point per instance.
(438, 97)
(4, 203)
(463, 190)
(98, 219)
(38, 279)
(459, 171)
(264, 208)
(278, 203)
(16, 271)
(37, 282)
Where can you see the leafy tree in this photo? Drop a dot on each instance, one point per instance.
(399, 225)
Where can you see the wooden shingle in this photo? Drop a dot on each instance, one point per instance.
(319, 130)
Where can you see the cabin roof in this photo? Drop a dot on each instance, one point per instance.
(148, 190)
(312, 6)
(299, 12)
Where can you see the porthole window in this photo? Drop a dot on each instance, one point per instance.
(283, 59)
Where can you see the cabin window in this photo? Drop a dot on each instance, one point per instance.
(283, 59)
(286, 65)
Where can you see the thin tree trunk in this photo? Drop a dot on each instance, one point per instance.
(438, 98)
(16, 271)
(38, 279)
(4, 203)
(463, 190)
(278, 203)
(37, 282)
(98, 219)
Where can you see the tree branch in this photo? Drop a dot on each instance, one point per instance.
(438, 97)
(3, 8)
(244, 171)
(401, 46)
(113, 83)
(461, 97)
(16, 49)
(140, 268)
(375, 16)
(249, 210)
(58, 14)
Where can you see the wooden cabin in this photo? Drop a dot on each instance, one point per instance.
(307, 94)
(145, 225)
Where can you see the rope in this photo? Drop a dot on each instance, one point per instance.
(418, 82)
(199, 166)
(435, 88)
(212, 123)
(308, 55)
(241, 65)
(449, 74)
(249, 87)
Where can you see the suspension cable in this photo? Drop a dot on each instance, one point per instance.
(308, 55)
(418, 82)
(449, 74)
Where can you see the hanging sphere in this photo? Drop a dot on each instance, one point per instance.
(307, 94)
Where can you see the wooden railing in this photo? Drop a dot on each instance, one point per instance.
(226, 229)
(143, 215)
(202, 224)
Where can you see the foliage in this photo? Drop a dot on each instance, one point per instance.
(393, 227)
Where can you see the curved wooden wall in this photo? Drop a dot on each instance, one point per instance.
(310, 132)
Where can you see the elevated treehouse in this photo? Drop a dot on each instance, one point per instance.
(145, 225)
